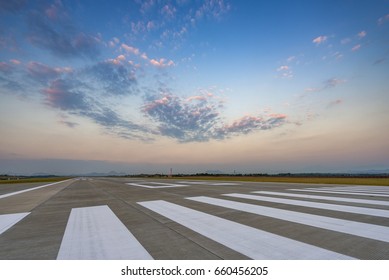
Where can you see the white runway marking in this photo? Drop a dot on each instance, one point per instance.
(8, 220)
(350, 227)
(96, 233)
(366, 189)
(252, 242)
(225, 184)
(208, 183)
(194, 182)
(341, 192)
(331, 198)
(31, 189)
(319, 205)
(155, 185)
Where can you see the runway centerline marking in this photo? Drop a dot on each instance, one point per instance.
(252, 242)
(97, 233)
(8, 220)
(319, 205)
(30, 189)
(340, 225)
(331, 198)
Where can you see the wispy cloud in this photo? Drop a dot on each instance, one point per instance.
(320, 40)
(356, 48)
(61, 38)
(327, 84)
(383, 19)
(362, 34)
(12, 5)
(334, 103)
(70, 96)
(248, 124)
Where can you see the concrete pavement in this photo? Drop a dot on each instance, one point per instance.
(124, 218)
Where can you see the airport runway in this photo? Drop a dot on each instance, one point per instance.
(127, 218)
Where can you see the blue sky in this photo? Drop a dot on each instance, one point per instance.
(142, 86)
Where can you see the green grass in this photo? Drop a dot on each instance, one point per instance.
(34, 180)
(307, 180)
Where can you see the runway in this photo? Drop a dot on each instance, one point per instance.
(163, 219)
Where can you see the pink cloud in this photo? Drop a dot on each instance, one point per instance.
(15, 61)
(356, 47)
(161, 63)
(283, 68)
(319, 40)
(130, 49)
(362, 34)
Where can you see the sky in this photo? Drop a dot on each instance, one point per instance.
(235, 86)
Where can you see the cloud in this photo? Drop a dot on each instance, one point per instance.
(130, 49)
(333, 82)
(283, 68)
(248, 124)
(185, 121)
(61, 38)
(383, 19)
(114, 76)
(5, 68)
(198, 118)
(362, 34)
(213, 8)
(168, 11)
(356, 47)
(12, 5)
(161, 63)
(41, 72)
(345, 41)
(63, 95)
(70, 96)
(334, 103)
(319, 40)
(327, 84)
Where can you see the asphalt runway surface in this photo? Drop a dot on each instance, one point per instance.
(163, 219)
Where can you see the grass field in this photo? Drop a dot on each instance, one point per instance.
(33, 180)
(307, 180)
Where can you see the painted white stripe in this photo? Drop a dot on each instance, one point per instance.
(350, 227)
(357, 188)
(31, 189)
(249, 241)
(194, 182)
(156, 185)
(95, 233)
(319, 205)
(8, 220)
(225, 184)
(331, 198)
(341, 192)
(357, 191)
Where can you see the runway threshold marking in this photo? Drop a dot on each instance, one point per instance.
(341, 192)
(156, 185)
(319, 205)
(8, 220)
(97, 233)
(364, 189)
(31, 189)
(340, 225)
(252, 242)
(331, 198)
